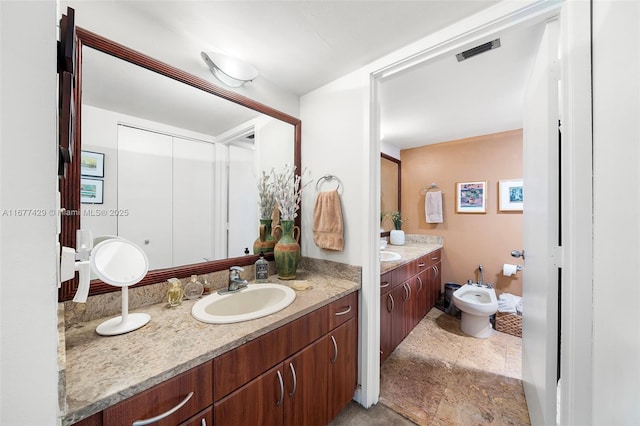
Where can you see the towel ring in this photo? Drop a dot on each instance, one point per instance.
(327, 178)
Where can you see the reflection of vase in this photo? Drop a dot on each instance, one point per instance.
(396, 237)
(265, 242)
(287, 250)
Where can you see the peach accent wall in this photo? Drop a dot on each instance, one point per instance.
(469, 239)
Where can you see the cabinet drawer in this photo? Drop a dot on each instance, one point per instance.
(403, 272)
(164, 397)
(386, 281)
(342, 310)
(239, 366)
(433, 257)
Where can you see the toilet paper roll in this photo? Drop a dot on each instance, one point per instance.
(509, 269)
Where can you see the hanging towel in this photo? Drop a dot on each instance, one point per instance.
(328, 227)
(433, 206)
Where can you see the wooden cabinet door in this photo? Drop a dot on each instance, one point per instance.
(343, 366)
(197, 382)
(387, 306)
(306, 390)
(425, 294)
(436, 281)
(203, 418)
(259, 402)
(398, 329)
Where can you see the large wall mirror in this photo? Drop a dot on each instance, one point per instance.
(168, 161)
(390, 191)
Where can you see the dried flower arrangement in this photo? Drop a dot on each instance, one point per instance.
(288, 191)
(267, 201)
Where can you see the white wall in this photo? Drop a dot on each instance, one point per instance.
(616, 294)
(28, 167)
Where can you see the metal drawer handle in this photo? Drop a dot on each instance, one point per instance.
(386, 284)
(281, 389)
(295, 381)
(409, 288)
(406, 292)
(420, 281)
(203, 422)
(344, 312)
(163, 415)
(436, 270)
(335, 350)
(421, 265)
(393, 304)
(434, 258)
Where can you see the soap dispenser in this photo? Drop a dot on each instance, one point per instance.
(175, 293)
(194, 288)
(262, 269)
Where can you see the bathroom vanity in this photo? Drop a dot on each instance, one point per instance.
(409, 288)
(297, 366)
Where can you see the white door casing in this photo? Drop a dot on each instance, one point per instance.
(540, 233)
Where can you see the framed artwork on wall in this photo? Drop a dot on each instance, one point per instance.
(92, 164)
(511, 195)
(471, 197)
(91, 191)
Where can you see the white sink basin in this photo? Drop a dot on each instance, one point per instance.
(255, 301)
(388, 256)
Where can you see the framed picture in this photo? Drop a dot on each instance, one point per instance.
(92, 164)
(511, 196)
(471, 197)
(91, 191)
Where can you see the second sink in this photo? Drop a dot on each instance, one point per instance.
(255, 301)
(388, 256)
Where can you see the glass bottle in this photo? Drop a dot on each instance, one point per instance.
(194, 288)
(175, 293)
(262, 269)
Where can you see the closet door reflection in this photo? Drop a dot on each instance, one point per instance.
(243, 204)
(193, 199)
(145, 193)
(166, 192)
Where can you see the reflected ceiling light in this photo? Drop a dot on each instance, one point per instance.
(230, 71)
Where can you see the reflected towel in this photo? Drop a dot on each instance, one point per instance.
(328, 228)
(433, 206)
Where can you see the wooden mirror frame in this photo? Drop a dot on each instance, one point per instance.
(70, 185)
(398, 162)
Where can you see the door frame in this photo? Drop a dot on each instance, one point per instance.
(576, 184)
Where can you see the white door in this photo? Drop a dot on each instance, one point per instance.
(193, 201)
(541, 230)
(144, 192)
(243, 216)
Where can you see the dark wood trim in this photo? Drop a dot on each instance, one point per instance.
(395, 160)
(70, 186)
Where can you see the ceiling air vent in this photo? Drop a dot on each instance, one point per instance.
(490, 45)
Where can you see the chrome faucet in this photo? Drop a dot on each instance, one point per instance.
(480, 276)
(236, 283)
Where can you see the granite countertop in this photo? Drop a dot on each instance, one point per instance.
(408, 252)
(102, 371)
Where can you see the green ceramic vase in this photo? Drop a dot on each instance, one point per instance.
(287, 250)
(265, 242)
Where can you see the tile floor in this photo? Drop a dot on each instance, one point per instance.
(439, 376)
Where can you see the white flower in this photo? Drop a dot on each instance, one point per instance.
(287, 192)
(267, 202)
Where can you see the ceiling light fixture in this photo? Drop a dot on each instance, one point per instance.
(230, 71)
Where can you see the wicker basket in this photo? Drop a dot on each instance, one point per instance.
(509, 323)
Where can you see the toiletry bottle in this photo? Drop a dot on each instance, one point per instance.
(174, 295)
(262, 269)
(194, 288)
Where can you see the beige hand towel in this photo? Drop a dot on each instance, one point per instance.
(433, 206)
(328, 228)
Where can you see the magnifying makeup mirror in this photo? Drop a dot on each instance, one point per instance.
(121, 263)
